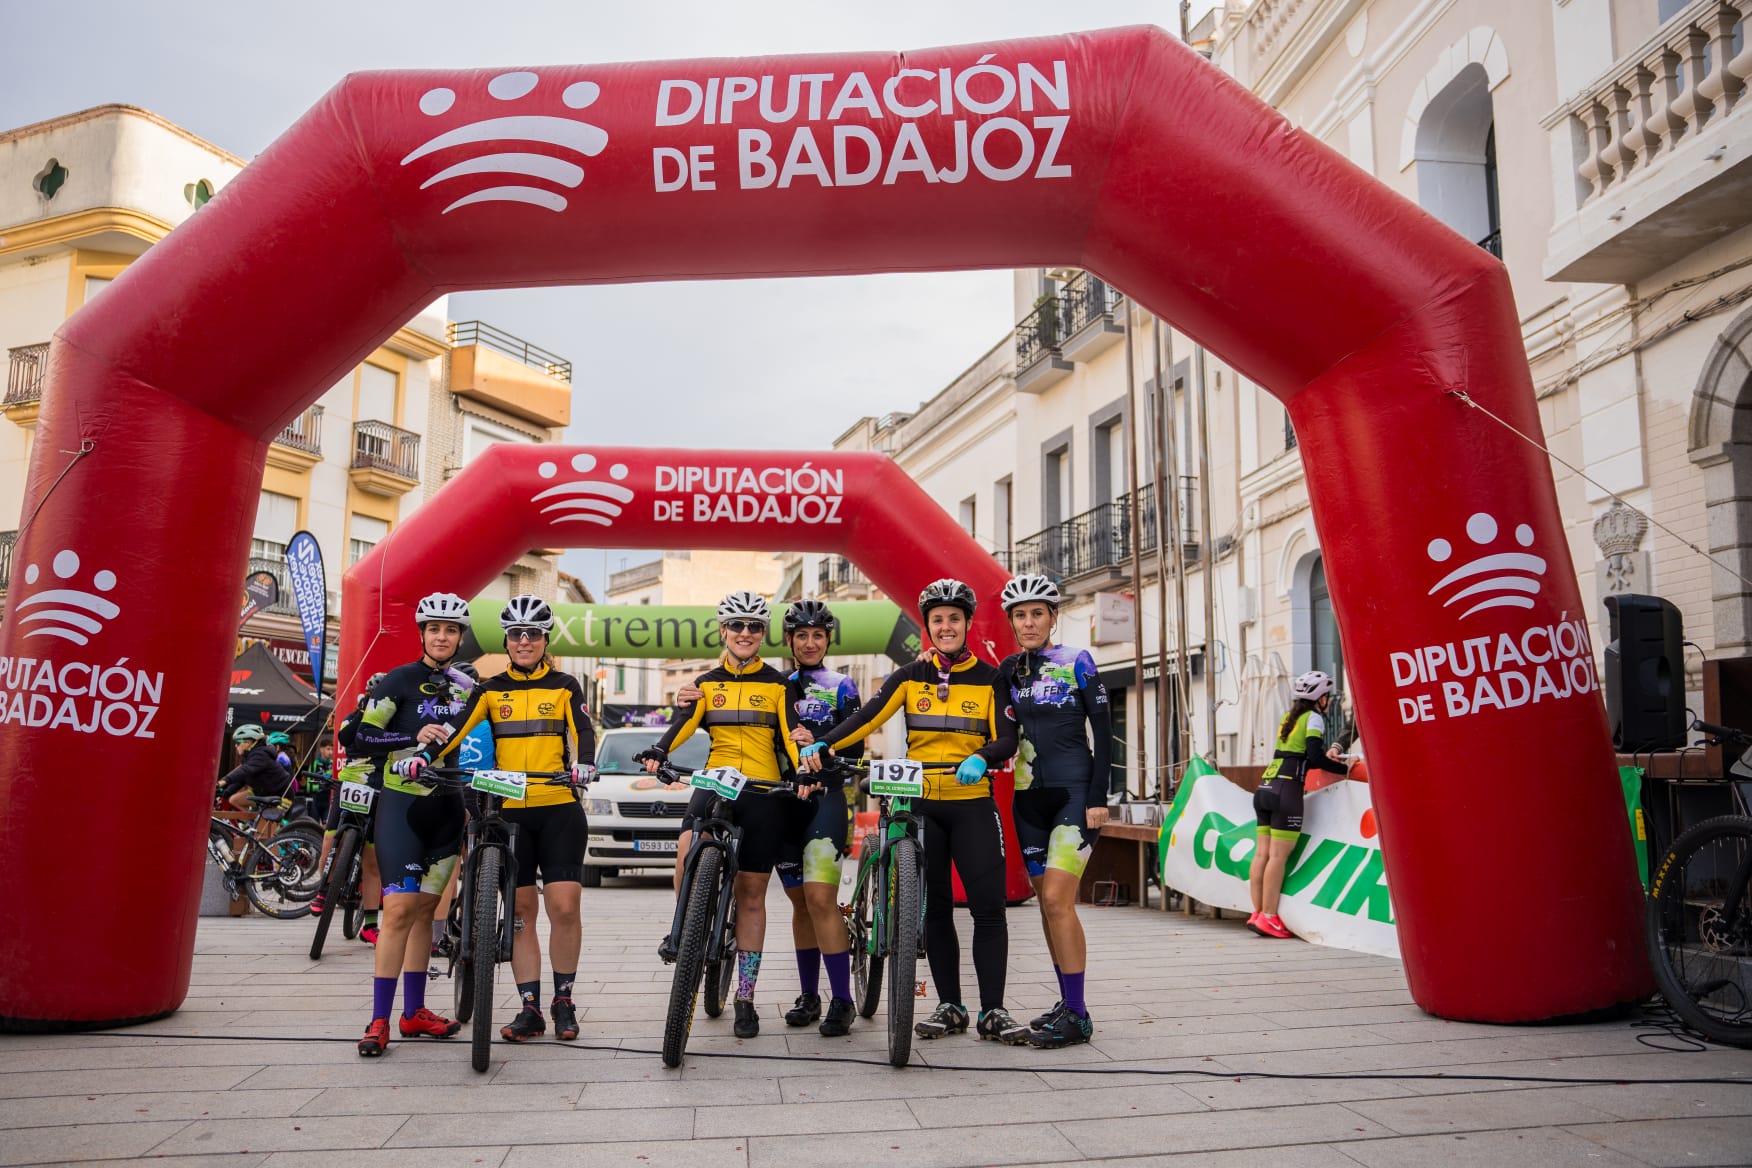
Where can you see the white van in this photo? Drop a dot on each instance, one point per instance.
(635, 819)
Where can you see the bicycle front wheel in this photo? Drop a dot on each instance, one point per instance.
(1699, 924)
(861, 931)
(690, 955)
(339, 887)
(906, 909)
(483, 955)
(274, 874)
(720, 972)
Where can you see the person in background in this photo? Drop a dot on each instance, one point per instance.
(257, 772)
(1301, 744)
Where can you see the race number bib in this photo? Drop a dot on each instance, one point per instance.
(357, 797)
(509, 784)
(897, 776)
(725, 781)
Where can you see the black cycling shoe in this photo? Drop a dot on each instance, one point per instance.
(565, 1019)
(838, 1022)
(1047, 1017)
(1065, 1029)
(997, 1025)
(527, 1025)
(947, 1018)
(805, 1010)
(666, 949)
(747, 1019)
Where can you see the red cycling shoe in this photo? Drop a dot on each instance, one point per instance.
(422, 1023)
(376, 1039)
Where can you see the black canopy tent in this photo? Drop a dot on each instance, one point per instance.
(264, 690)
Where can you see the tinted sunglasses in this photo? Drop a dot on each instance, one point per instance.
(745, 626)
(523, 635)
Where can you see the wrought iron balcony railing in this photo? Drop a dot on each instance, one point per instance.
(8, 542)
(1100, 539)
(836, 572)
(304, 432)
(1038, 334)
(477, 332)
(1088, 298)
(381, 446)
(24, 373)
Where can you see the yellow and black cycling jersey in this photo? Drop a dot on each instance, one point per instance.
(534, 717)
(945, 723)
(747, 711)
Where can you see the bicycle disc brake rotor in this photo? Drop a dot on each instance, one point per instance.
(1713, 930)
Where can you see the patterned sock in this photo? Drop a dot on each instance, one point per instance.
(809, 970)
(839, 974)
(370, 919)
(747, 969)
(382, 996)
(413, 992)
(1074, 994)
(563, 984)
(1060, 974)
(530, 992)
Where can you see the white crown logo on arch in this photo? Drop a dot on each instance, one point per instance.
(1492, 579)
(583, 500)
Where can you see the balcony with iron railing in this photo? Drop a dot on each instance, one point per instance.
(298, 447)
(1659, 150)
(386, 459)
(8, 543)
(1091, 317)
(25, 366)
(1099, 540)
(495, 368)
(1039, 363)
(837, 574)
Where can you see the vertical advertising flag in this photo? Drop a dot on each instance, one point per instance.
(260, 590)
(310, 590)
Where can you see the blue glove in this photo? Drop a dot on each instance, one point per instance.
(971, 770)
(812, 748)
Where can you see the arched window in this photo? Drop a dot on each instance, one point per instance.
(1326, 652)
(1456, 158)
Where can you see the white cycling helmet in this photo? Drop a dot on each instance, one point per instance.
(442, 606)
(751, 606)
(1312, 686)
(527, 612)
(1029, 587)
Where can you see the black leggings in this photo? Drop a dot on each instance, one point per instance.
(969, 833)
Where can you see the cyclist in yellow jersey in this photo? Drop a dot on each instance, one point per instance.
(954, 714)
(745, 707)
(535, 713)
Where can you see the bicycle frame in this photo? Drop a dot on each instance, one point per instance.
(895, 821)
(490, 831)
(716, 833)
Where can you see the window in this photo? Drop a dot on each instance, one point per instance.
(1289, 432)
(276, 522)
(94, 285)
(1002, 535)
(483, 434)
(620, 678)
(970, 514)
(50, 179)
(1055, 486)
(1456, 158)
(364, 534)
(1327, 653)
(198, 194)
(377, 394)
(1111, 465)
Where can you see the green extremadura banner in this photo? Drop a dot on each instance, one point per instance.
(678, 630)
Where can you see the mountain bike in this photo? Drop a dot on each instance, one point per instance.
(885, 919)
(704, 926)
(484, 909)
(279, 876)
(346, 864)
(1699, 918)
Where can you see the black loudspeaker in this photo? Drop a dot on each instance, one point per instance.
(1645, 674)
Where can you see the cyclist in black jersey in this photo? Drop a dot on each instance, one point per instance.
(1063, 771)
(955, 714)
(419, 830)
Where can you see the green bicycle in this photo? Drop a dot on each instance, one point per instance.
(885, 919)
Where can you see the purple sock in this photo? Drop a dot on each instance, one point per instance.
(1074, 994)
(839, 974)
(809, 970)
(382, 996)
(413, 992)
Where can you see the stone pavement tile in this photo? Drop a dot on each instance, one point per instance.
(114, 1082)
(1381, 1057)
(1028, 1143)
(1716, 1140)
(223, 1160)
(1479, 1111)
(908, 1083)
(279, 1135)
(546, 1127)
(134, 1108)
(1310, 1156)
(400, 1099)
(1666, 1100)
(1191, 1022)
(781, 1065)
(552, 1071)
(1340, 1013)
(781, 1119)
(1544, 1147)
(1646, 1064)
(391, 1158)
(1046, 1106)
(683, 1092)
(1245, 1042)
(398, 1067)
(1232, 1093)
(643, 1154)
(1185, 1072)
(1211, 1130)
(53, 1145)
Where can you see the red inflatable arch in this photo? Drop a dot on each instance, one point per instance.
(1119, 151)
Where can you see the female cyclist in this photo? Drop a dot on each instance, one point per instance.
(744, 708)
(955, 714)
(1062, 777)
(1301, 744)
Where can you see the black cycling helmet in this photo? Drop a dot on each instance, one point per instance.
(809, 614)
(946, 592)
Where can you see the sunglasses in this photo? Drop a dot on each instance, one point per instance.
(524, 635)
(744, 626)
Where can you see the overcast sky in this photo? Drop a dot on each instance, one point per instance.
(779, 363)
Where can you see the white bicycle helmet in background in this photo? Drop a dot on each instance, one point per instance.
(749, 606)
(527, 612)
(442, 606)
(1311, 686)
(1028, 588)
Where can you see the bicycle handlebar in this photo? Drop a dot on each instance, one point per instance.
(1727, 733)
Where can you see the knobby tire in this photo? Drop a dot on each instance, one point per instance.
(861, 930)
(484, 955)
(690, 956)
(903, 953)
(1683, 906)
(338, 888)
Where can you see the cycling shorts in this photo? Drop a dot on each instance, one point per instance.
(1052, 827)
(815, 859)
(550, 843)
(698, 807)
(770, 824)
(418, 839)
(1278, 804)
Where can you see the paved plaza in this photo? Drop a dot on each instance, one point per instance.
(1186, 1011)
